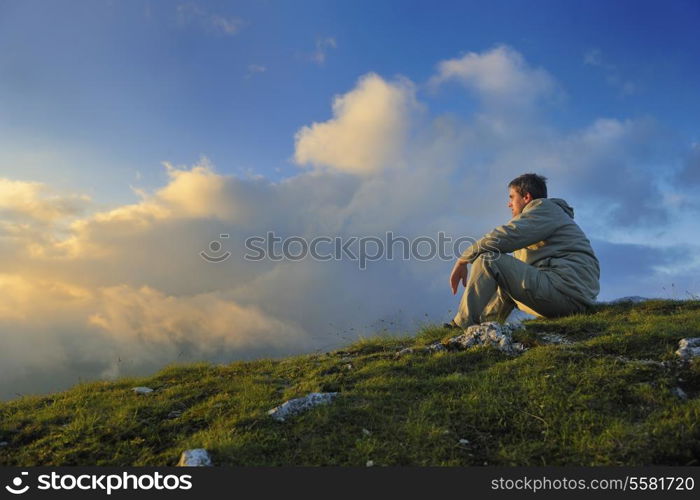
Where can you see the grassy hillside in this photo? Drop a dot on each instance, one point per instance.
(607, 398)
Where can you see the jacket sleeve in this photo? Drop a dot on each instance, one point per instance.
(525, 229)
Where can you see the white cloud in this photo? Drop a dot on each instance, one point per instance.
(367, 131)
(499, 76)
(593, 57)
(229, 26)
(192, 14)
(614, 162)
(255, 69)
(322, 45)
(690, 172)
(613, 76)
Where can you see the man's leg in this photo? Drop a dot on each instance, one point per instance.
(498, 308)
(480, 292)
(514, 280)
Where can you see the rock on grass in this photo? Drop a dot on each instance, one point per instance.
(197, 457)
(489, 333)
(300, 405)
(142, 390)
(688, 348)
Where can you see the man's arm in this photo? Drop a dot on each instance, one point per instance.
(529, 227)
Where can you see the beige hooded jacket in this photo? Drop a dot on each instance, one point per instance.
(545, 235)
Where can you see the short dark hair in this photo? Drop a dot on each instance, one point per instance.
(534, 184)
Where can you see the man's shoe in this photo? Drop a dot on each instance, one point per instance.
(452, 325)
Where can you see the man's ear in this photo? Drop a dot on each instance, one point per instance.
(527, 198)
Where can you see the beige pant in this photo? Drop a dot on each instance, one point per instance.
(497, 284)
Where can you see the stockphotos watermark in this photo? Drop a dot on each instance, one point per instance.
(360, 249)
(107, 483)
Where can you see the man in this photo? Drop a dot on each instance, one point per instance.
(553, 270)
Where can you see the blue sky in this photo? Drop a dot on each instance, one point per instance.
(133, 133)
(130, 84)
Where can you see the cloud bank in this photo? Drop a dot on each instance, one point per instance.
(90, 293)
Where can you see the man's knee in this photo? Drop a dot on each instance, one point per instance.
(487, 262)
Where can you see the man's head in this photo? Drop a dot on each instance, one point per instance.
(525, 188)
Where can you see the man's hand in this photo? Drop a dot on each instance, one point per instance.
(459, 273)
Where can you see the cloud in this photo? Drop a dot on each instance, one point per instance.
(322, 45)
(645, 270)
(37, 201)
(367, 131)
(124, 290)
(511, 134)
(193, 193)
(500, 77)
(594, 58)
(205, 322)
(615, 164)
(689, 175)
(229, 26)
(21, 292)
(254, 69)
(104, 332)
(192, 14)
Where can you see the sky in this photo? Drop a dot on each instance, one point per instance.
(134, 133)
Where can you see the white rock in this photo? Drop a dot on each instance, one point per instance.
(402, 352)
(436, 347)
(489, 333)
(370, 463)
(463, 441)
(553, 338)
(679, 392)
(429, 349)
(197, 457)
(142, 390)
(644, 362)
(3, 444)
(299, 405)
(688, 348)
(519, 347)
(366, 432)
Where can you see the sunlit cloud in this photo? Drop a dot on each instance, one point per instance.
(367, 131)
(38, 202)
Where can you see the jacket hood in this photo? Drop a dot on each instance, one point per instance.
(564, 206)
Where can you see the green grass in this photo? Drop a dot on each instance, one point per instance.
(592, 402)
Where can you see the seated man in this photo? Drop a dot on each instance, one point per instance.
(553, 270)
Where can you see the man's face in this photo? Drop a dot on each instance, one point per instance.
(516, 202)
